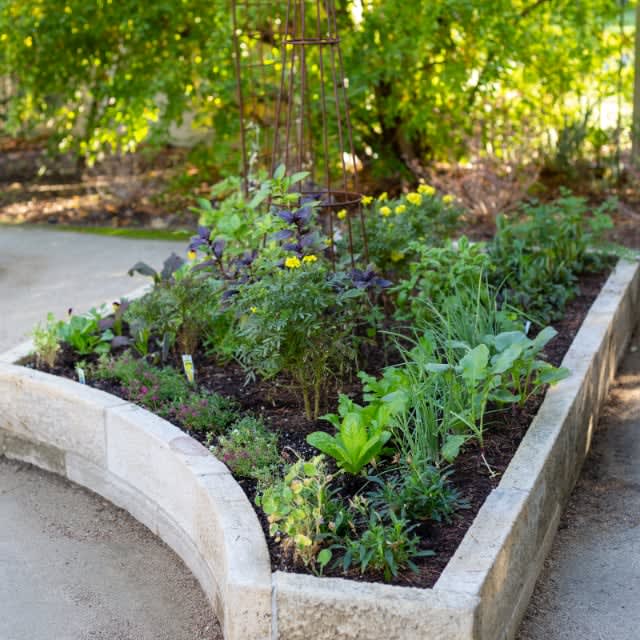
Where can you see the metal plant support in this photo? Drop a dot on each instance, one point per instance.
(294, 109)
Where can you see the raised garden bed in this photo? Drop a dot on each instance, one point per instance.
(170, 483)
(277, 319)
(472, 475)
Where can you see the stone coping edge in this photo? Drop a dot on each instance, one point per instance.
(161, 476)
(174, 486)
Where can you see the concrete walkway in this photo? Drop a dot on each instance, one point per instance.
(590, 587)
(73, 566)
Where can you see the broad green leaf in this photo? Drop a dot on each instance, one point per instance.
(474, 364)
(451, 447)
(504, 361)
(547, 334)
(507, 338)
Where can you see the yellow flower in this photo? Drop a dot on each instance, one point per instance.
(426, 189)
(396, 256)
(253, 309)
(366, 200)
(448, 199)
(342, 214)
(67, 9)
(292, 263)
(385, 211)
(414, 198)
(401, 208)
(383, 197)
(28, 41)
(191, 254)
(309, 259)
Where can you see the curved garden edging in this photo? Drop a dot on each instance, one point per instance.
(164, 478)
(170, 483)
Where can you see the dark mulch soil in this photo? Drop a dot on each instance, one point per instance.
(475, 473)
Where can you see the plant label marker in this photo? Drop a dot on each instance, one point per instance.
(189, 371)
(81, 376)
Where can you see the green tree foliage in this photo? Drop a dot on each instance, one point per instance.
(427, 80)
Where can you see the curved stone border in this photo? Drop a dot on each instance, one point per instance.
(164, 478)
(170, 483)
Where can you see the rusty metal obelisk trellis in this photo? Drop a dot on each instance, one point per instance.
(294, 109)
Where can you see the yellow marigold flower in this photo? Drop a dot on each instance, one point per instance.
(342, 214)
(448, 199)
(396, 256)
(309, 259)
(67, 9)
(191, 255)
(426, 189)
(414, 198)
(28, 41)
(366, 200)
(292, 263)
(383, 197)
(401, 208)
(254, 309)
(385, 211)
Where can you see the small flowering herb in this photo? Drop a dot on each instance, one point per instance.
(427, 190)
(206, 412)
(385, 211)
(249, 450)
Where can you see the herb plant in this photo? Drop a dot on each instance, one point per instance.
(45, 341)
(304, 512)
(249, 450)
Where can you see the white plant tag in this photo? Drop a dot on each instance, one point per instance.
(81, 377)
(189, 371)
(527, 326)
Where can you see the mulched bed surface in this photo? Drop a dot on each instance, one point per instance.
(280, 408)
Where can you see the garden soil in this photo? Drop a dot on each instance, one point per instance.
(590, 586)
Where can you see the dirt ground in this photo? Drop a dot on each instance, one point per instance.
(590, 587)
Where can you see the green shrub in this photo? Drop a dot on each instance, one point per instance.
(298, 319)
(539, 254)
(420, 490)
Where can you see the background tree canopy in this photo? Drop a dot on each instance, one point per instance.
(428, 81)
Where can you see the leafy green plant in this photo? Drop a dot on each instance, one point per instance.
(249, 450)
(385, 544)
(45, 341)
(420, 490)
(439, 273)
(304, 513)
(362, 432)
(298, 319)
(516, 359)
(539, 254)
(83, 334)
(183, 308)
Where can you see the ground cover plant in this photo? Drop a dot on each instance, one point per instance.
(415, 362)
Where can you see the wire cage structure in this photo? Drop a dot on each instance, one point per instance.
(293, 103)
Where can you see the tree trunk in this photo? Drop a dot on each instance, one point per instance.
(635, 133)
